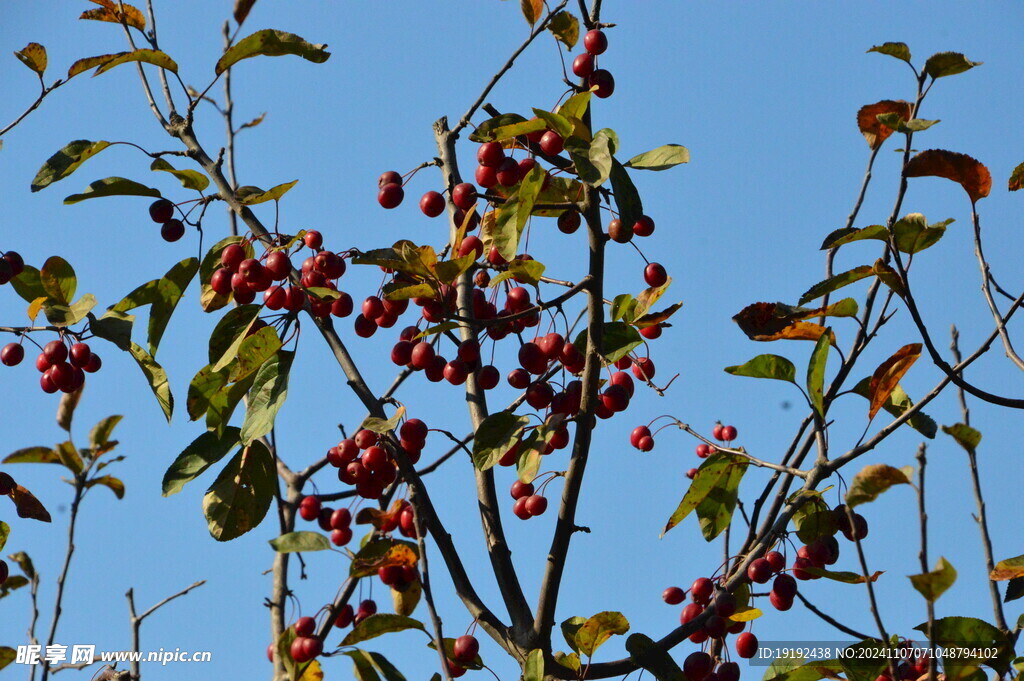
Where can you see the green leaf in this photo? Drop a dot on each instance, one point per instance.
(33, 455)
(896, 122)
(386, 668)
(598, 629)
(251, 198)
(848, 235)
(618, 339)
(622, 307)
(1016, 180)
(813, 521)
(59, 314)
(960, 637)
(24, 563)
(203, 387)
(566, 28)
(190, 179)
(575, 106)
(715, 510)
(380, 553)
(533, 668)
(5, 532)
(113, 326)
(627, 198)
(897, 404)
(229, 333)
(898, 50)
(966, 437)
(914, 234)
(529, 190)
(163, 295)
(33, 56)
(816, 373)
(652, 657)
(109, 61)
(844, 577)
(99, 436)
(378, 625)
(933, 584)
(864, 661)
(382, 426)
(28, 285)
(271, 43)
(495, 436)
(66, 161)
(13, 583)
(253, 352)
(112, 186)
(157, 378)
(662, 158)
(203, 452)
(556, 122)
(486, 131)
(296, 542)
(874, 479)
(58, 279)
(363, 668)
(570, 628)
(69, 456)
(944, 64)
(268, 393)
(710, 476)
(766, 366)
(240, 496)
(113, 484)
(836, 282)
(526, 271)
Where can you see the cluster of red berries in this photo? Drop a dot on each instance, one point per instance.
(62, 368)
(162, 213)
(595, 42)
(527, 503)
(699, 666)
(11, 265)
(336, 521)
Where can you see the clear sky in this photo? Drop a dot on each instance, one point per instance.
(763, 94)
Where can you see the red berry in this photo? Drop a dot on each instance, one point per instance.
(488, 377)
(14, 259)
(692, 473)
(7, 485)
(697, 666)
(785, 586)
(305, 626)
(172, 230)
(464, 195)
(583, 65)
(728, 671)
(701, 590)
(595, 42)
(760, 571)
(655, 275)
(646, 444)
(728, 433)
(618, 232)
(314, 239)
(161, 210)
(342, 536)
(508, 173)
(55, 352)
(779, 602)
(673, 595)
(345, 616)
(746, 645)
(12, 354)
(309, 508)
(519, 509)
(432, 204)
(465, 649)
(644, 226)
(552, 143)
(569, 222)
(389, 177)
(519, 379)
(643, 368)
(486, 176)
(94, 364)
(776, 560)
(602, 83)
(638, 434)
(390, 195)
(536, 504)
(490, 154)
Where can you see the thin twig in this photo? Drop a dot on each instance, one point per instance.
(136, 620)
(922, 461)
(428, 596)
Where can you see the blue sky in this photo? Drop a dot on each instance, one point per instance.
(764, 95)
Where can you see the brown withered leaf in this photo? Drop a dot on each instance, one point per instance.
(28, 506)
(379, 518)
(242, 8)
(532, 10)
(111, 11)
(971, 174)
(888, 374)
(655, 318)
(874, 131)
(1016, 178)
(773, 321)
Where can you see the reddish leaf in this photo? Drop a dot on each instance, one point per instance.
(772, 321)
(887, 376)
(28, 506)
(874, 131)
(242, 8)
(972, 175)
(532, 10)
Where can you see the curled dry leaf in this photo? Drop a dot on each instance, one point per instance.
(887, 376)
(772, 321)
(971, 174)
(874, 131)
(28, 506)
